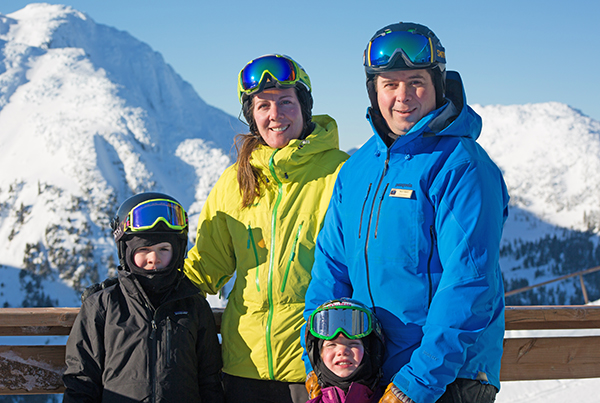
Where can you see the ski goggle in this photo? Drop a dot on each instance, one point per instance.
(147, 214)
(280, 68)
(417, 50)
(328, 323)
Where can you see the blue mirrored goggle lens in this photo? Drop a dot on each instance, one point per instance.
(415, 46)
(148, 214)
(281, 69)
(329, 323)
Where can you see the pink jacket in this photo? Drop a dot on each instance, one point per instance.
(357, 393)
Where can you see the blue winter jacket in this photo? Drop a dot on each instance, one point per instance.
(414, 231)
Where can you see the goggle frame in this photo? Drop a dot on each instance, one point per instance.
(179, 220)
(338, 330)
(409, 44)
(278, 62)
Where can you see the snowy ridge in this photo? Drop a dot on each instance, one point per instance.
(550, 155)
(88, 116)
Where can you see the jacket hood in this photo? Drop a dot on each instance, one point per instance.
(455, 118)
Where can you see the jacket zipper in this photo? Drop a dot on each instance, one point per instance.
(385, 167)
(433, 246)
(154, 346)
(271, 266)
(153, 358)
(379, 208)
(253, 244)
(362, 211)
(168, 348)
(291, 259)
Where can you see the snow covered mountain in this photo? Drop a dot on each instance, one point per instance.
(89, 116)
(550, 156)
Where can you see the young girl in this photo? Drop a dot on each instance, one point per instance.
(345, 346)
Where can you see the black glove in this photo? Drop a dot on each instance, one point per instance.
(94, 288)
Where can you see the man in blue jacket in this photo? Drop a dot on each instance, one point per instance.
(414, 227)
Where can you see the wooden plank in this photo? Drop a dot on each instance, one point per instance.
(550, 358)
(49, 321)
(36, 321)
(552, 317)
(31, 369)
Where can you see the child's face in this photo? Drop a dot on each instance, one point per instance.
(342, 355)
(153, 257)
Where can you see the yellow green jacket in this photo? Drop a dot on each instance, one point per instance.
(270, 246)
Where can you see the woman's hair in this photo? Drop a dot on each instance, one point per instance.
(248, 176)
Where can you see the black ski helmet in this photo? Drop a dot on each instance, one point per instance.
(373, 342)
(303, 91)
(121, 224)
(399, 60)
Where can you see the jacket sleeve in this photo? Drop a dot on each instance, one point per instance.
(330, 278)
(210, 263)
(208, 351)
(471, 207)
(85, 355)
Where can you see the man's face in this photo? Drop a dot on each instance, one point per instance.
(404, 97)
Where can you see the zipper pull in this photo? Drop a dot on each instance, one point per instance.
(154, 327)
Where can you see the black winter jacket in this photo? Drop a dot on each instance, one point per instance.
(123, 350)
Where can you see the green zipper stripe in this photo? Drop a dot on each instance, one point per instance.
(291, 259)
(251, 242)
(271, 265)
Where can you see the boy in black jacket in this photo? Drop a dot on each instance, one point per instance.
(151, 336)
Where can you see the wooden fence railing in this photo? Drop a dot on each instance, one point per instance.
(579, 274)
(38, 369)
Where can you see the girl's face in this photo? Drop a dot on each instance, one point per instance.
(278, 116)
(153, 257)
(341, 355)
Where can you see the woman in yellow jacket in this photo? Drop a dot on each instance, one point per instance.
(261, 222)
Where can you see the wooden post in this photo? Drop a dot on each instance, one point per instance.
(583, 290)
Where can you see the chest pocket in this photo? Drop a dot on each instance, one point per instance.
(396, 219)
(179, 338)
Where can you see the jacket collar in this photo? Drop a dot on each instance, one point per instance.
(132, 287)
(287, 160)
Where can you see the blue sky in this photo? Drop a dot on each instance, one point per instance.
(508, 52)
